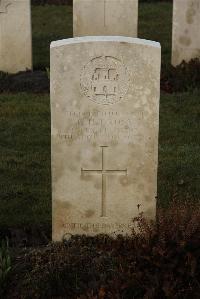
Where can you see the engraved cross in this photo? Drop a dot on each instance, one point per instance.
(104, 172)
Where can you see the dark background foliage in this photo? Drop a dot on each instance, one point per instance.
(55, 2)
(184, 77)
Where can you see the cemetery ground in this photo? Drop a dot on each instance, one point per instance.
(161, 262)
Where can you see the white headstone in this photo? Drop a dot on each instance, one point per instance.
(105, 113)
(15, 36)
(105, 17)
(186, 31)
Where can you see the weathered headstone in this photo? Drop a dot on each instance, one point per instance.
(186, 31)
(105, 17)
(15, 36)
(105, 111)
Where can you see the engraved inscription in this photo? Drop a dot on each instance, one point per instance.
(98, 226)
(105, 80)
(103, 172)
(102, 126)
(3, 5)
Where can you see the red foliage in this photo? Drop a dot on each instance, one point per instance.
(160, 261)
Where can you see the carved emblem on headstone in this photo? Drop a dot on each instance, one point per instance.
(3, 5)
(105, 80)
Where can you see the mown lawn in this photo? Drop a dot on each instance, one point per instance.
(25, 169)
(179, 147)
(25, 178)
(155, 23)
(49, 23)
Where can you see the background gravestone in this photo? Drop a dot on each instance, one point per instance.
(105, 111)
(186, 33)
(15, 36)
(105, 17)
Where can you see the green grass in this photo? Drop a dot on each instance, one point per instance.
(25, 187)
(155, 23)
(55, 22)
(49, 23)
(179, 147)
(25, 177)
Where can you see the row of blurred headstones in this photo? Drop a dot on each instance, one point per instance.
(94, 18)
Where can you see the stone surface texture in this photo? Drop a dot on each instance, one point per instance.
(186, 31)
(15, 36)
(105, 17)
(105, 119)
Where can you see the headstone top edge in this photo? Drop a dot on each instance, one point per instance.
(122, 39)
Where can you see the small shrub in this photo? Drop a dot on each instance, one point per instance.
(160, 261)
(184, 77)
